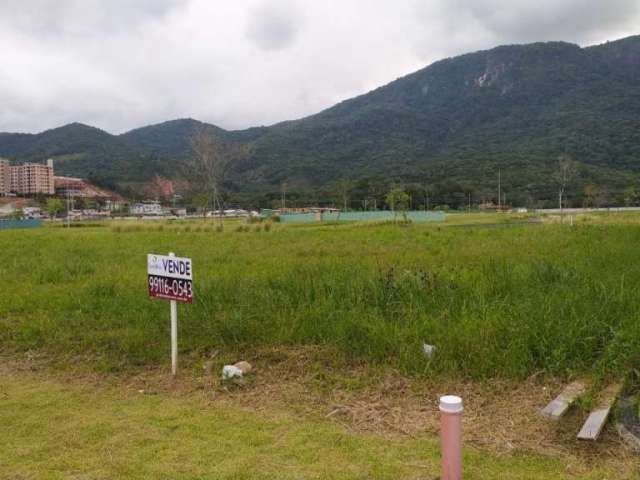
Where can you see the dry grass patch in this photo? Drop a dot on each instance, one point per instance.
(310, 384)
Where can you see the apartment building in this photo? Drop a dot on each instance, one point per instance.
(27, 179)
(5, 176)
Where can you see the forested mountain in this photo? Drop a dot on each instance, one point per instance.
(451, 125)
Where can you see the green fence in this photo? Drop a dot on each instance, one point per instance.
(26, 223)
(384, 215)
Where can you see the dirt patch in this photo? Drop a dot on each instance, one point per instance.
(502, 416)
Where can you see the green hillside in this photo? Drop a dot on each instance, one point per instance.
(515, 108)
(451, 125)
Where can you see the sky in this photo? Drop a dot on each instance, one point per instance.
(122, 64)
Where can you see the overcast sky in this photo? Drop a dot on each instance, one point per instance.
(120, 64)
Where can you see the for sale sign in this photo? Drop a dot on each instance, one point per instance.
(170, 278)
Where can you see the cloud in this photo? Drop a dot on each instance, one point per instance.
(123, 64)
(80, 17)
(527, 21)
(273, 25)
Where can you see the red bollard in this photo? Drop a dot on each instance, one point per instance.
(451, 437)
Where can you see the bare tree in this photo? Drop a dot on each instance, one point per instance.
(593, 196)
(567, 169)
(210, 161)
(283, 196)
(375, 192)
(345, 186)
(428, 191)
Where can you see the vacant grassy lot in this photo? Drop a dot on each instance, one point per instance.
(57, 430)
(498, 300)
(502, 302)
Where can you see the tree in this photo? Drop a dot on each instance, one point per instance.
(209, 165)
(201, 202)
(567, 169)
(345, 186)
(54, 206)
(414, 190)
(41, 199)
(593, 196)
(376, 192)
(159, 188)
(398, 200)
(283, 196)
(630, 196)
(427, 189)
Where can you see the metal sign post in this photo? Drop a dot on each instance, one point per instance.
(174, 333)
(171, 278)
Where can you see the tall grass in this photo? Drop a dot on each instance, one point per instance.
(495, 302)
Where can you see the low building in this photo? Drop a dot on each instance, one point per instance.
(66, 186)
(10, 206)
(32, 212)
(88, 214)
(7, 210)
(115, 204)
(148, 207)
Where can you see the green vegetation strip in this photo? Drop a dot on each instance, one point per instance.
(53, 430)
(495, 302)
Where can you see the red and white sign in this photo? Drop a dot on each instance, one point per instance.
(170, 278)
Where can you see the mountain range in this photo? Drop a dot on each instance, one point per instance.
(452, 125)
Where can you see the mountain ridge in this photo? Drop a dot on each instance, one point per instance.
(512, 107)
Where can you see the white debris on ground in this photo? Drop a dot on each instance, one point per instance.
(429, 350)
(231, 371)
(237, 370)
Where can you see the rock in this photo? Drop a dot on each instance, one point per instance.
(244, 366)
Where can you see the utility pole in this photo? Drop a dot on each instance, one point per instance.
(499, 188)
(426, 196)
(284, 195)
(69, 207)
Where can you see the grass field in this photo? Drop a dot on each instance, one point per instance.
(501, 299)
(496, 302)
(58, 430)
